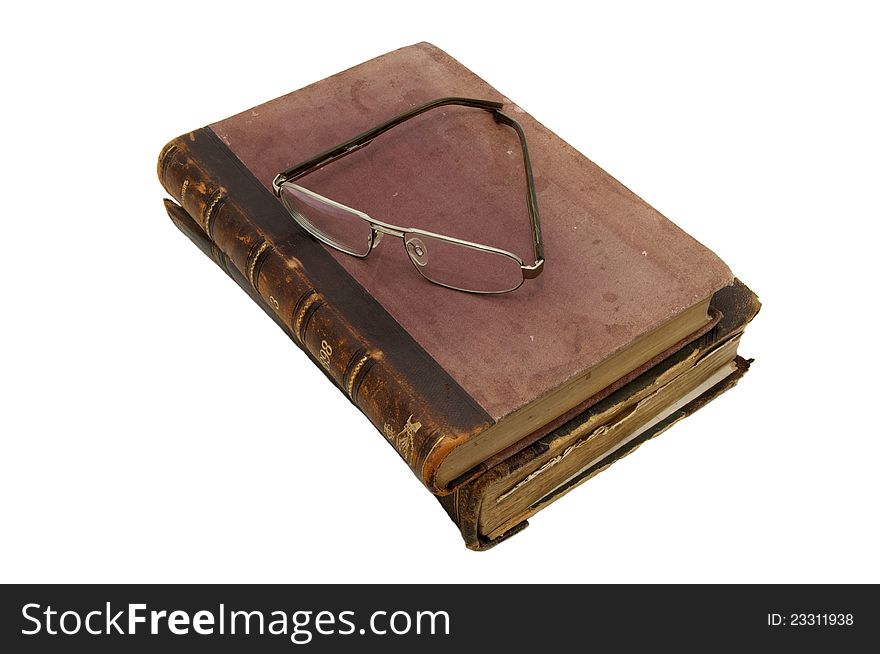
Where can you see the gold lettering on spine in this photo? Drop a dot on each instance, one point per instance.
(325, 354)
(403, 439)
(183, 191)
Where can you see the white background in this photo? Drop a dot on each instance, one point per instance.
(135, 445)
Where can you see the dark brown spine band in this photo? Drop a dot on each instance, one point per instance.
(407, 396)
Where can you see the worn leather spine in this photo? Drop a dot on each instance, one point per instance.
(423, 415)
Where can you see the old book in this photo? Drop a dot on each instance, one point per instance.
(497, 504)
(455, 382)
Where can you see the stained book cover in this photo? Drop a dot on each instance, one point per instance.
(432, 368)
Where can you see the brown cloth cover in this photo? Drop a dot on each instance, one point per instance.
(431, 367)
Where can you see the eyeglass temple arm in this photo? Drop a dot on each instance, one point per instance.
(529, 272)
(361, 140)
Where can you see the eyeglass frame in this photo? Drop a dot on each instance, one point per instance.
(378, 227)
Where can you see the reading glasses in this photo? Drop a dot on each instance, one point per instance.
(444, 260)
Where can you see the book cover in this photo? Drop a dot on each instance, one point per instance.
(432, 368)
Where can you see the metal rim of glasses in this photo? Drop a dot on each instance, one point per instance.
(287, 177)
(379, 228)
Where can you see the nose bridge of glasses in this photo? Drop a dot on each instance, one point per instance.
(384, 228)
